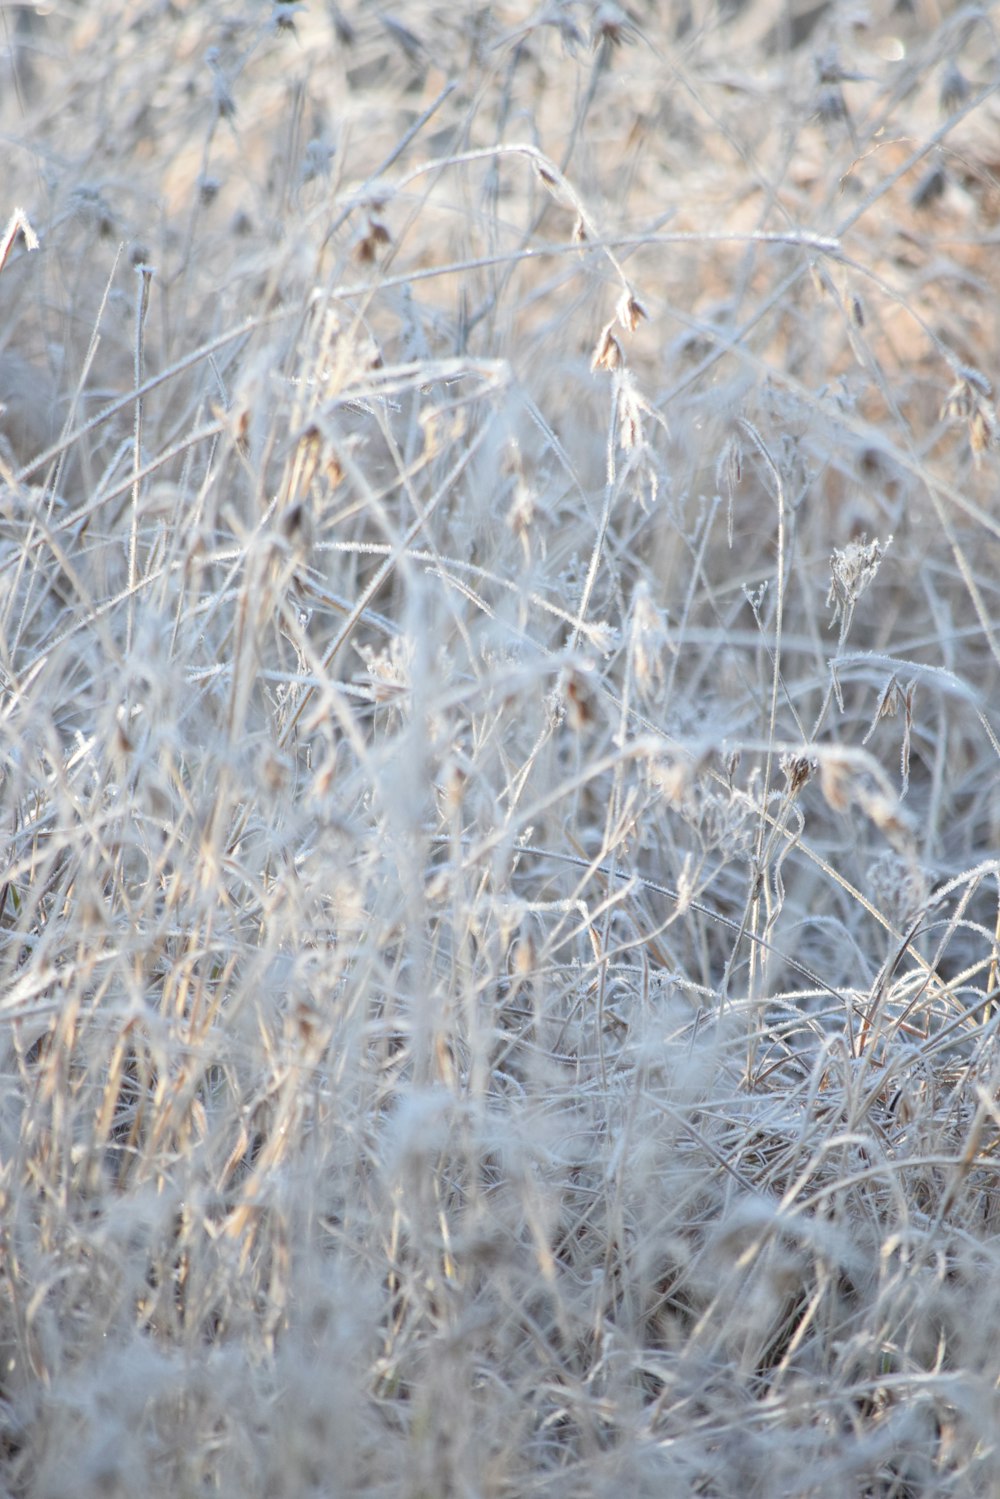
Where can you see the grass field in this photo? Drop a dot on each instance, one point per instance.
(499, 760)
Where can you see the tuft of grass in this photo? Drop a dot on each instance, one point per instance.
(499, 895)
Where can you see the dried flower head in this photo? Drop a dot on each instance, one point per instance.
(852, 570)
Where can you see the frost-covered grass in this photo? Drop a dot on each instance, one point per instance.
(499, 765)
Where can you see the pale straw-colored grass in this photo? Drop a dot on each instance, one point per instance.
(498, 752)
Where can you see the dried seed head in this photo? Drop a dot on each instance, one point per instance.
(729, 468)
(297, 529)
(521, 513)
(672, 779)
(895, 696)
(579, 712)
(237, 419)
(835, 777)
(455, 781)
(524, 957)
(853, 778)
(305, 462)
(441, 429)
(970, 401)
(649, 643)
(17, 224)
(389, 670)
(899, 888)
(797, 770)
(629, 414)
(371, 242)
(982, 430)
(608, 351)
(820, 284)
(629, 312)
